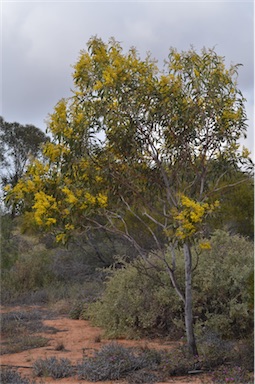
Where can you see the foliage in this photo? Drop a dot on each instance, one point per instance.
(53, 367)
(140, 299)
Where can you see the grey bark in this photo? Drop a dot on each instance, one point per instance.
(188, 301)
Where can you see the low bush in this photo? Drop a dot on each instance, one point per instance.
(178, 362)
(11, 376)
(142, 377)
(53, 367)
(114, 362)
(214, 350)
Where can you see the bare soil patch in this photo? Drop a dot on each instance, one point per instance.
(71, 339)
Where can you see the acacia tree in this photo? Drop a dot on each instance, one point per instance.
(168, 138)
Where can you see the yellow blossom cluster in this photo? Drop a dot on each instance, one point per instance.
(191, 216)
(70, 197)
(44, 207)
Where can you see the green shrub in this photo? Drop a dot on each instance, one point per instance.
(139, 299)
(136, 303)
(221, 286)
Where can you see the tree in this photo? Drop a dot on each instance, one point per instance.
(168, 138)
(18, 143)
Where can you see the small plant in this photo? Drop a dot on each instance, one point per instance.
(60, 347)
(53, 367)
(97, 339)
(11, 376)
(76, 311)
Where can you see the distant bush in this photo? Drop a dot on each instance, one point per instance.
(9, 244)
(140, 299)
(30, 273)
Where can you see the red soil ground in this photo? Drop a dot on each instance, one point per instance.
(79, 337)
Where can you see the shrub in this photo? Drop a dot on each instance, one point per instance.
(214, 350)
(114, 362)
(11, 376)
(53, 367)
(178, 362)
(135, 303)
(142, 376)
(139, 299)
(221, 288)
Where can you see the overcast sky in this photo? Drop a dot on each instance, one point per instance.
(42, 40)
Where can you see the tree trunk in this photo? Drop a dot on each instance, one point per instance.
(188, 301)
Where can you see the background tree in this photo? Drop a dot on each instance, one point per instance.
(18, 144)
(168, 138)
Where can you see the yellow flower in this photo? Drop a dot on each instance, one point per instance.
(61, 238)
(69, 227)
(191, 215)
(205, 245)
(7, 187)
(102, 200)
(50, 221)
(90, 199)
(70, 197)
